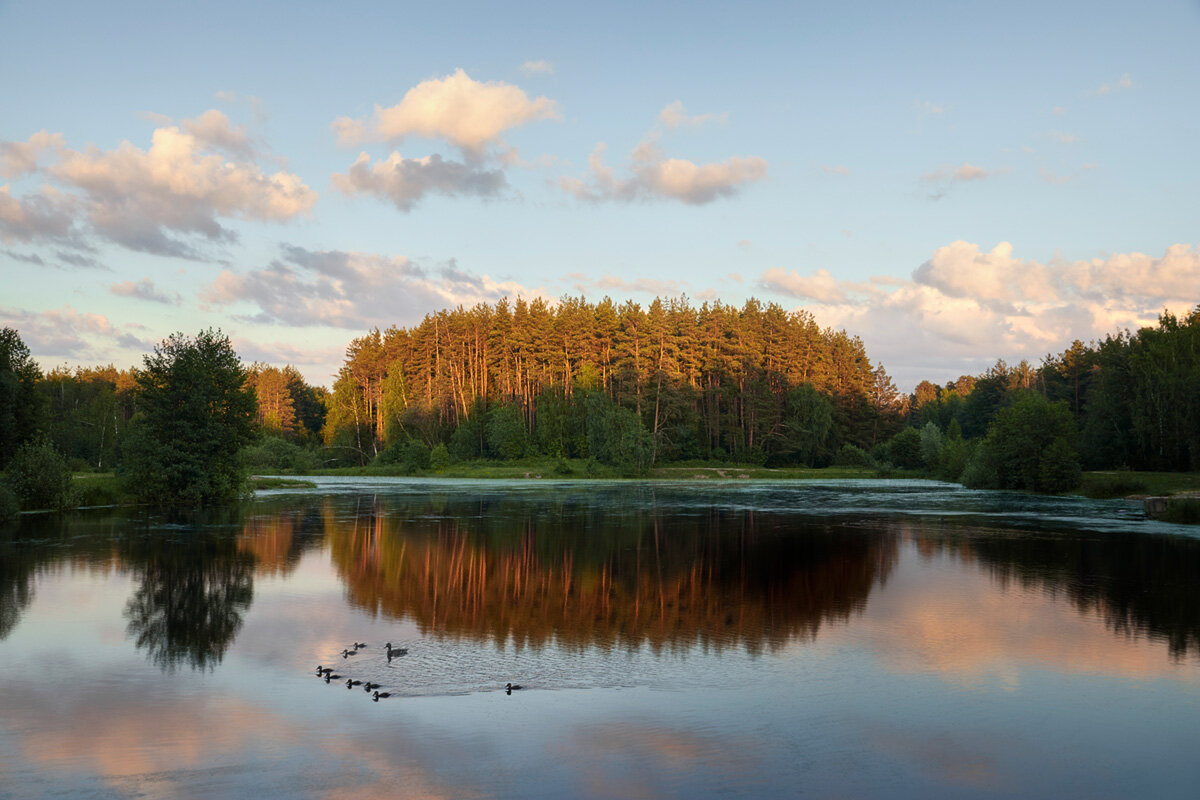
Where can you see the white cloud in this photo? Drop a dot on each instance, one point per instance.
(537, 68)
(1064, 138)
(1122, 83)
(675, 116)
(464, 112)
(964, 307)
(835, 169)
(352, 290)
(163, 200)
(20, 158)
(143, 290)
(405, 181)
(655, 176)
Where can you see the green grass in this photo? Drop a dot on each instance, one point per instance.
(1182, 510)
(1123, 483)
(99, 489)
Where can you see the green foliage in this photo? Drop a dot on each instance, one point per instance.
(273, 454)
(807, 432)
(1029, 445)
(1182, 511)
(411, 455)
(850, 455)
(904, 449)
(39, 478)
(932, 442)
(506, 435)
(20, 406)
(439, 458)
(955, 454)
(10, 506)
(195, 412)
(980, 471)
(616, 435)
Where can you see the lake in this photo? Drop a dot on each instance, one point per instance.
(847, 639)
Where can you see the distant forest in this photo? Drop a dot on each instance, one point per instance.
(634, 386)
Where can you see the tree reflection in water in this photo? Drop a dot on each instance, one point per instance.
(195, 588)
(581, 574)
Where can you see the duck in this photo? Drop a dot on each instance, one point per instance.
(359, 645)
(392, 652)
(348, 652)
(509, 688)
(381, 694)
(333, 676)
(323, 670)
(350, 682)
(368, 686)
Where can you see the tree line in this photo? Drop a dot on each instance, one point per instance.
(621, 385)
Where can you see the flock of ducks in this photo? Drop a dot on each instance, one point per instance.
(373, 688)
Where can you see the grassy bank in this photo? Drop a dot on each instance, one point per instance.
(1111, 484)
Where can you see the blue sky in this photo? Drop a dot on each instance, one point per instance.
(953, 183)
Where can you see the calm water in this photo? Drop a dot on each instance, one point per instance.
(848, 639)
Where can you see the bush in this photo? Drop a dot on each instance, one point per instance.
(956, 453)
(932, 443)
(561, 467)
(980, 470)
(39, 478)
(9, 505)
(1030, 443)
(904, 450)
(439, 458)
(853, 456)
(273, 454)
(1058, 470)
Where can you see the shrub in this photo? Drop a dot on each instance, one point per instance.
(561, 467)
(956, 452)
(853, 456)
(932, 443)
(904, 450)
(273, 454)
(1118, 485)
(39, 477)
(1182, 511)
(439, 458)
(9, 505)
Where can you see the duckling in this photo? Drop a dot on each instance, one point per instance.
(509, 688)
(381, 694)
(368, 686)
(350, 683)
(323, 670)
(359, 645)
(348, 652)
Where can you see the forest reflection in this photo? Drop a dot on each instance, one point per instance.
(580, 575)
(574, 571)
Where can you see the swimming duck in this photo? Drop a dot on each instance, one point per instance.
(350, 683)
(333, 676)
(381, 694)
(393, 652)
(323, 670)
(348, 652)
(368, 686)
(509, 688)
(359, 645)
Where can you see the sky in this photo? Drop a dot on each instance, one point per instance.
(954, 183)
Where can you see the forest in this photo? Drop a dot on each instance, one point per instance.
(622, 388)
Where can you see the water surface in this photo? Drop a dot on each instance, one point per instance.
(841, 639)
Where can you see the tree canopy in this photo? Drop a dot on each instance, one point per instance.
(195, 412)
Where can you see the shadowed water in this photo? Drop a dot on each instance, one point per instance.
(862, 639)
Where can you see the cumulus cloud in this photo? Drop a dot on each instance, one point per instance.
(143, 290)
(162, 200)
(405, 181)
(606, 283)
(21, 158)
(675, 116)
(214, 131)
(67, 333)
(351, 289)
(537, 68)
(654, 177)
(964, 306)
(469, 114)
